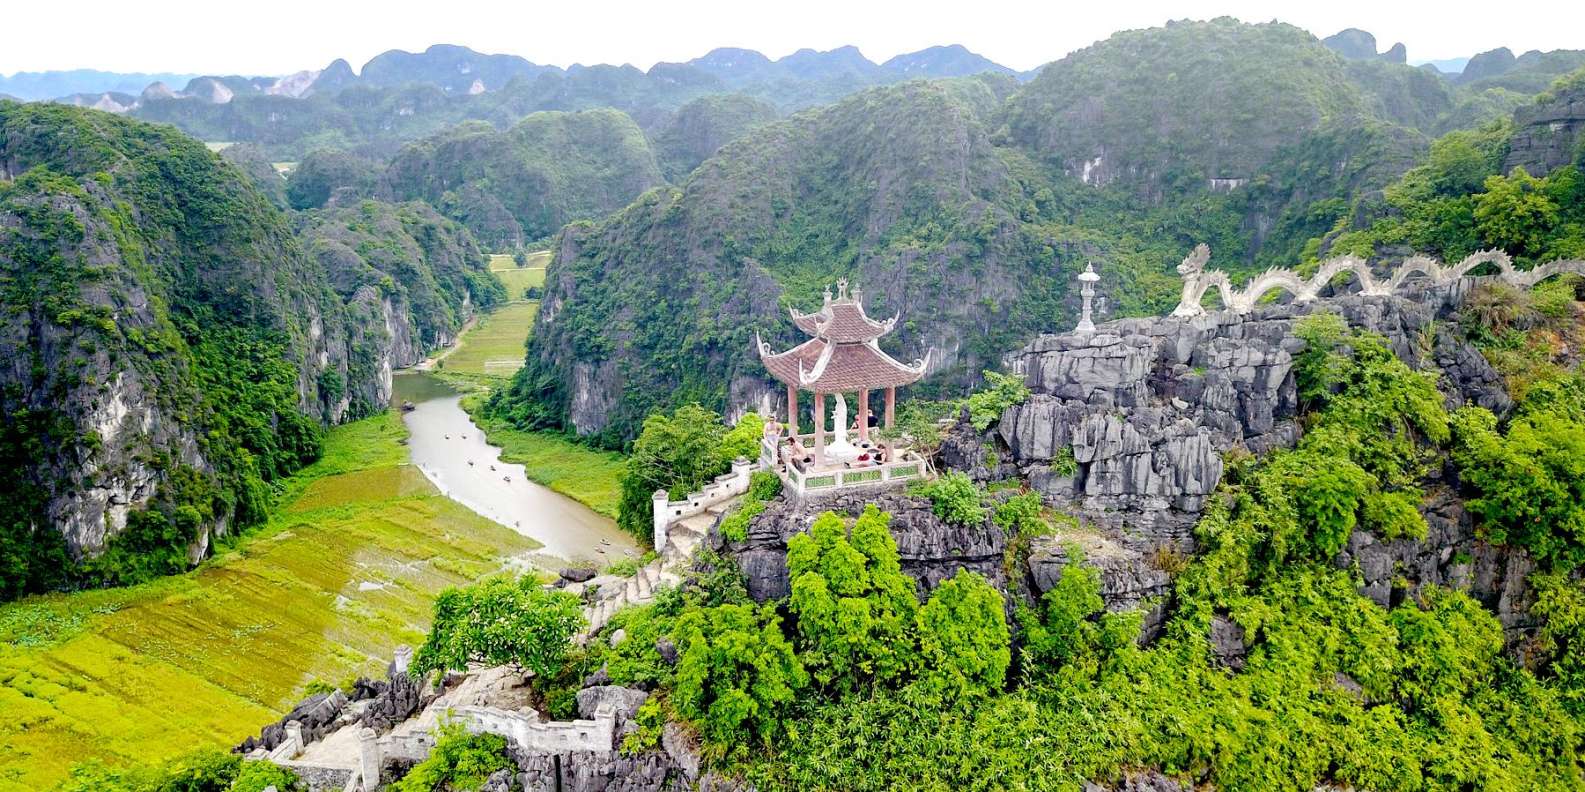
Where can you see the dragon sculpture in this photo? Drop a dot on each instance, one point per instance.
(1197, 280)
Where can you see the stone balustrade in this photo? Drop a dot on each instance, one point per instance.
(725, 487)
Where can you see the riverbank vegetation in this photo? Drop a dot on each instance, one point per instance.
(344, 571)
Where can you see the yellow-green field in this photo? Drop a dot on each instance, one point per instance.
(494, 345)
(516, 279)
(344, 572)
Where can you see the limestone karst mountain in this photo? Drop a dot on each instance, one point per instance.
(171, 348)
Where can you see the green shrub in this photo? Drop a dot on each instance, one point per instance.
(955, 497)
(1020, 515)
(853, 604)
(987, 404)
(259, 776)
(963, 638)
(736, 674)
(764, 485)
(501, 621)
(1530, 483)
(459, 761)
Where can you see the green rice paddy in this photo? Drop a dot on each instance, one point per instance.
(343, 573)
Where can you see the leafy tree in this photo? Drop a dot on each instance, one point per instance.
(736, 673)
(458, 761)
(963, 638)
(680, 453)
(206, 770)
(854, 606)
(1516, 213)
(501, 621)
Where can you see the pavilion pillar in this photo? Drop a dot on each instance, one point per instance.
(792, 410)
(820, 428)
(891, 405)
(864, 415)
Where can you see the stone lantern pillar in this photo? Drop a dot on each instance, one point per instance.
(1088, 278)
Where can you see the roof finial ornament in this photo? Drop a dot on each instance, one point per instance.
(828, 294)
(858, 294)
(842, 288)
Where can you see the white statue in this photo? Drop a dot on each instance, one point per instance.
(840, 450)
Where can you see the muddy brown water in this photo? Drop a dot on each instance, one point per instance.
(444, 440)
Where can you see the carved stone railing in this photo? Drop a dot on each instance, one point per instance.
(1197, 281)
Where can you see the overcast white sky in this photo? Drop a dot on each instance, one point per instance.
(282, 36)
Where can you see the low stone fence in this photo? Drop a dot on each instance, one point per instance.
(724, 488)
(532, 735)
(802, 483)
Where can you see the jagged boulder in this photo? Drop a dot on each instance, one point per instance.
(317, 714)
(1126, 427)
(394, 701)
(1128, 577)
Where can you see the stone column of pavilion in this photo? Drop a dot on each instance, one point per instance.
(841, 356)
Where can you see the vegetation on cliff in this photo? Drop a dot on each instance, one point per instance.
(973, 202)
(519, 185)
(174, 352)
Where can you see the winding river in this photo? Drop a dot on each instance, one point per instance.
(452, 453)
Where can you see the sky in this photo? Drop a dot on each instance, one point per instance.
(284, 36)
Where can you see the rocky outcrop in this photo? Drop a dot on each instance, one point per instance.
(1548, 134)
(931, 549)
(1126, 427)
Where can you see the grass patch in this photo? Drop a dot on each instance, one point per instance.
(516, 279)
(494, 346)
(344, 572)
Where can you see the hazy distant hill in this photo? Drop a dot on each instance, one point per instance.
(33, 86)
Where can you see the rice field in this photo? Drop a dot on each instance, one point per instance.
(493, 346)
(345, 571)
(517, 279)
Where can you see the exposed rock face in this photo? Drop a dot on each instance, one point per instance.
(1128, 577)
(931, 550)
(179, 250)
(1148, 407)
(1450, 555)
(1549, 135)
(1487, 64)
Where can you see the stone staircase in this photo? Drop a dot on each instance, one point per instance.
(616, 593)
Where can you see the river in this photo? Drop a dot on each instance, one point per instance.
(451, 451)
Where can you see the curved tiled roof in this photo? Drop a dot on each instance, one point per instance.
(842, 321)
(817, 365)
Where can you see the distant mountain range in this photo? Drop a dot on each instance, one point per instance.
(457, 69)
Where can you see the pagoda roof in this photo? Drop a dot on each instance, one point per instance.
(824, 367)
(842, 320)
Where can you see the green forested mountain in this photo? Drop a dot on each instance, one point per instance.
(700, 128)
(963, 205)
(525, 183)
(899, 188)
(169, 348)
